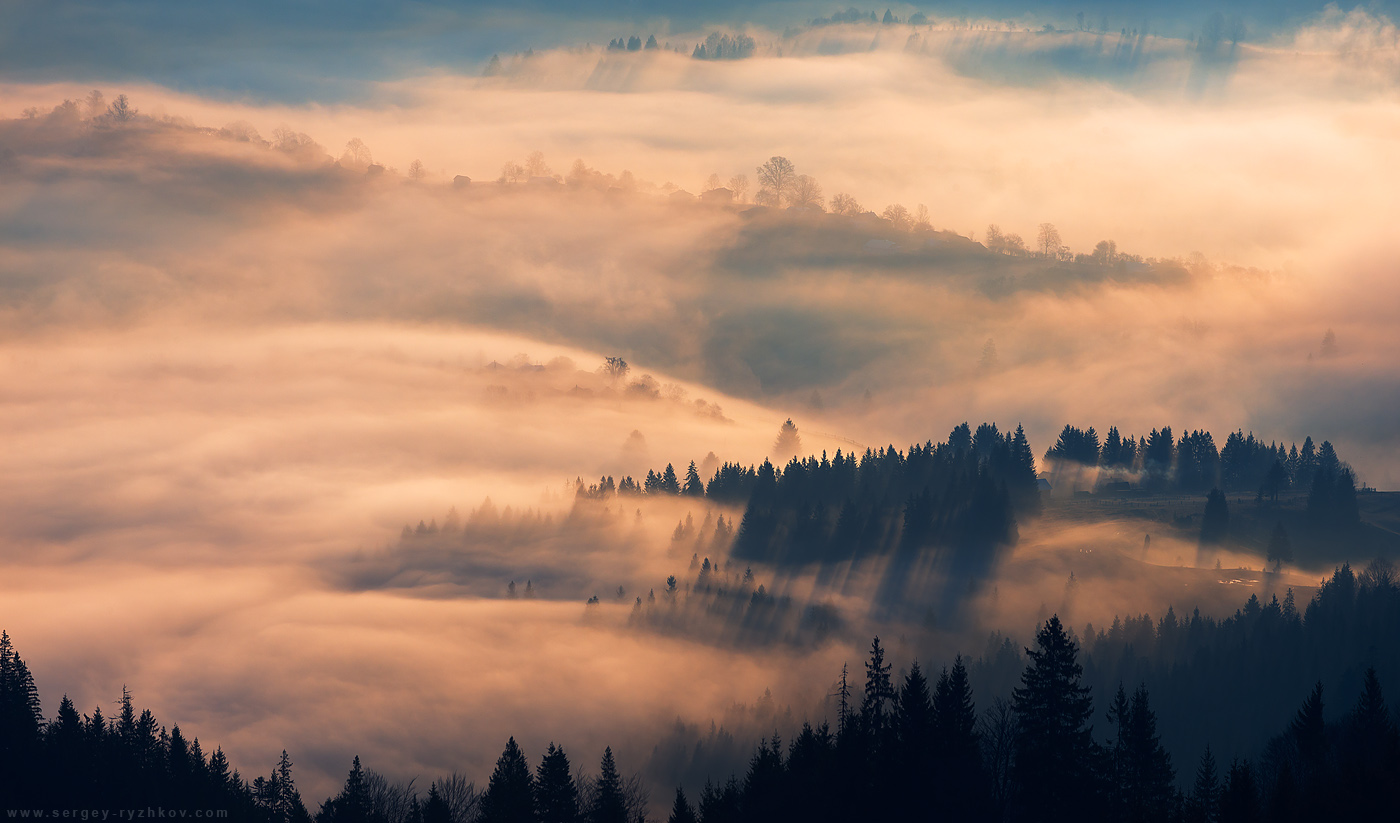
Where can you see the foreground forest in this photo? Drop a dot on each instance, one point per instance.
(1052, 747)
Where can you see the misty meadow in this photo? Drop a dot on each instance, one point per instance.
(699, 412)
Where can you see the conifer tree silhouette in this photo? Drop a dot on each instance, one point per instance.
(681, 812)
(609, 805)
(1055, 751)
(556, 794)
(510, 794)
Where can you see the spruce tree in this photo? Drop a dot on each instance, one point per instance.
(958, 763)
(764, 784)
(1054, 748)
(1309, 732)
(352, 805)
(1370, 754)
(510, 794)
(1215, 523)
(669, 483)
(435, 808)
(680, 810)
(1280, 549)
(878, 689)
(1204, 805)
(556, 794)
(1239, 800)
(789, 442)
(609, 805)
(914, 716)
(694, 486)
(1147, 776)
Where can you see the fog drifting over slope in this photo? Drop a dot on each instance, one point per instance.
(229, 369)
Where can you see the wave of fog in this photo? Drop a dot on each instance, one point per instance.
(232, 372)
(164, 219)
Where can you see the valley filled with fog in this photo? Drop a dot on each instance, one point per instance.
(317, 412)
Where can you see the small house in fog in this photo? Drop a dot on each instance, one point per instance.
(878, 246)
(681, 196)
(461, 181)
(544, 182)
(1042, 484)
(718, 197)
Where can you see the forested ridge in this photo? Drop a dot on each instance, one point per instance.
(969, 491)
(1078, 736)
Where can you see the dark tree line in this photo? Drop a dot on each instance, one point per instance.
(1192, 463)
(965, 493)
(914, 752)
(125, 761)
(1085, 735)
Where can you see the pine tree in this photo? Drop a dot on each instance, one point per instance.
(510, 794)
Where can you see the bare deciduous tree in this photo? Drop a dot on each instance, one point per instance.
(843, 203)
(535, 166)
(1048, 240)
(805, 192)
(356, 155)
(615, 367)
(712, 182)
(995, 241)
(776, 176)
(121, 109)
(512, 172)
(899, 216)
(921, 219)
(416, 170)
(388, 801)
(96, 104)
(740, 184)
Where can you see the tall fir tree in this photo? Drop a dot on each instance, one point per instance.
(879, 691)
(1054, 748)
(1204, 804)
(609, 805)
(510, 794)
(556, 794)
(681, 812)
